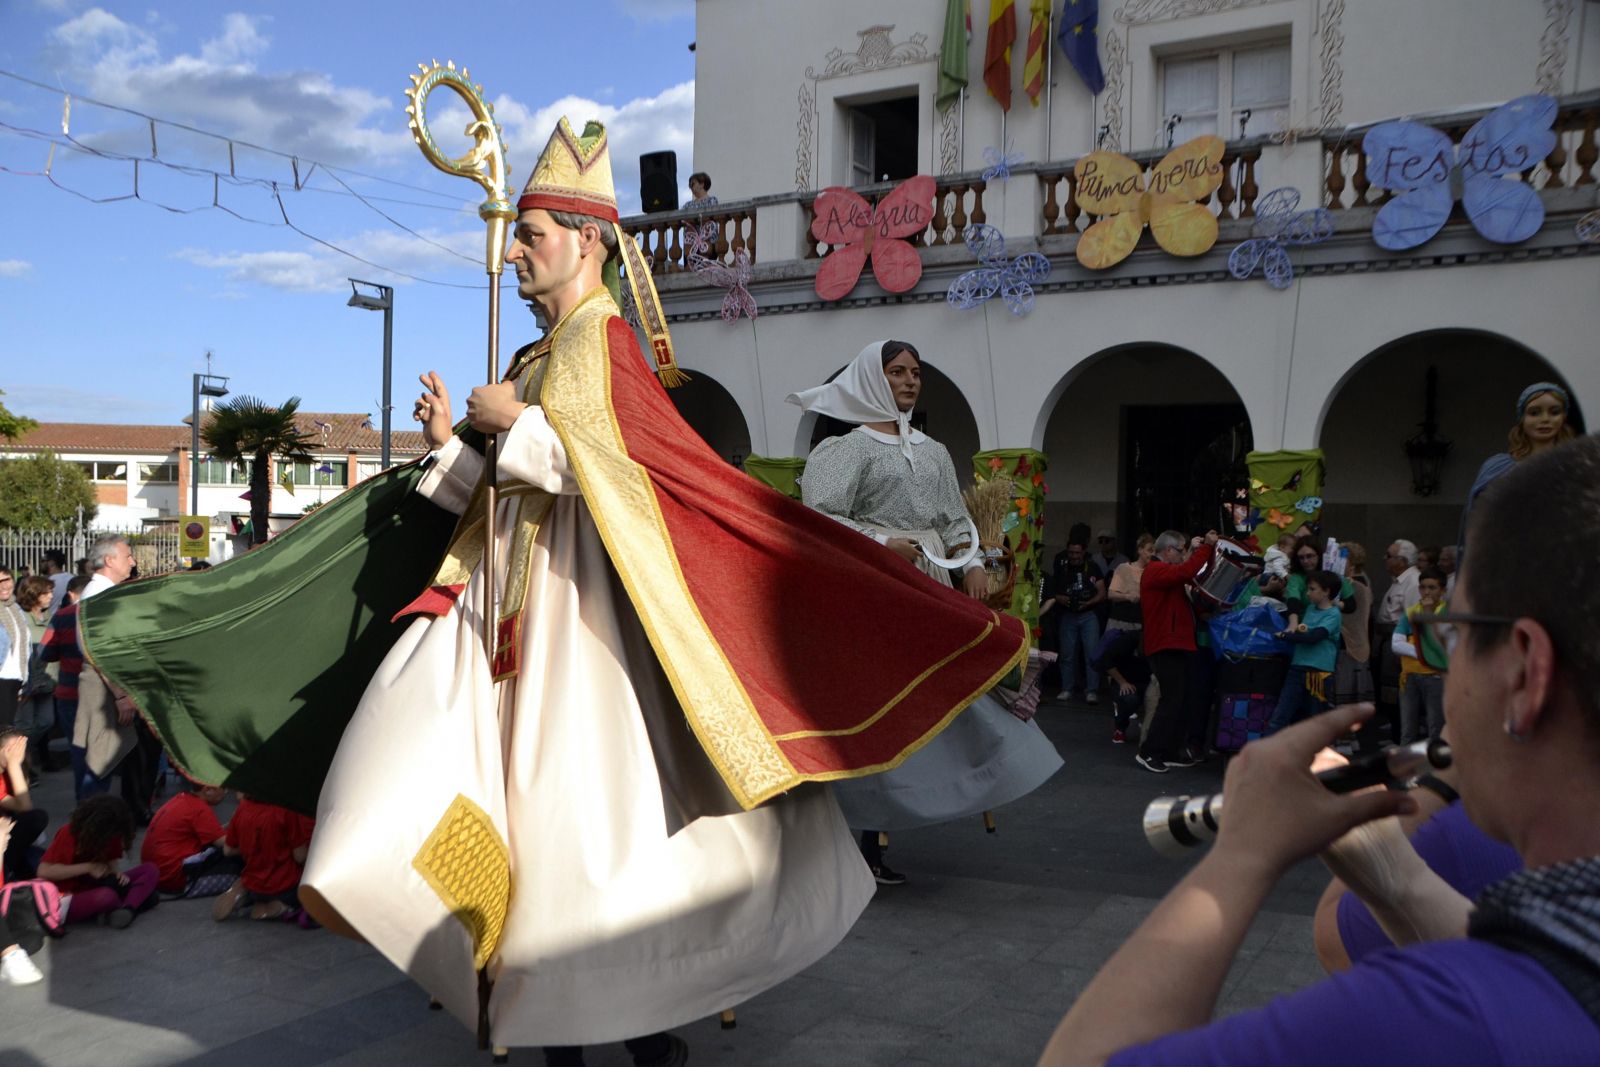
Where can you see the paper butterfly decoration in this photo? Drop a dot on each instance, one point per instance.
(1000, 164)
(1280, 519)
(1428, 173)
(1112, 186)
(860, 231)
(1013, 280)
(735, 279)
(1278, 224)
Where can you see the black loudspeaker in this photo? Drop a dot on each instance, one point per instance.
(658, 181)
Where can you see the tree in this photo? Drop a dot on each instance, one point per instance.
(14, 427)
(43, 492)
(246, 429)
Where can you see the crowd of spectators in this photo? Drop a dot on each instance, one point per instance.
(58, 716)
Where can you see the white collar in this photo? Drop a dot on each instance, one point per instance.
(915, 437)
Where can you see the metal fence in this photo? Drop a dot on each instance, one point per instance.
(155, 548)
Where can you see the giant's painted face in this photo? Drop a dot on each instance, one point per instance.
(905, 379)
(544, 254)
(1542, 418)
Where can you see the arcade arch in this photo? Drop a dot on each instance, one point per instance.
(1141, 437)
(714, 414)
(1379, 403)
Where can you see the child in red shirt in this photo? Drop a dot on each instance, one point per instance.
(82, 862)
(273, 841)
(185, 842)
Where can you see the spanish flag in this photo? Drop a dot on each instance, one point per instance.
(1038, 42)
(997, 52)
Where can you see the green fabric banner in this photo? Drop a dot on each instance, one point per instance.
(780, 472)
(1285, 491)
(248, 672)
(1025, 525)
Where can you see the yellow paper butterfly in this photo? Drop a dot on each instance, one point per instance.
(1112, 186)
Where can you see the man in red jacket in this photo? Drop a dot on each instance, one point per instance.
(1169, 645)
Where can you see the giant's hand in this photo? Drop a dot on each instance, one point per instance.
(975, 583)
(493, 408)
(432, 409)
(905, 548)
(1277, 812)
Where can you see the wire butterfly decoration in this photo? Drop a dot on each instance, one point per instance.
(1587, 228)
(1277, 225)
(1429, 174)
(1011, 279)
(1000, 163)
(735, 279)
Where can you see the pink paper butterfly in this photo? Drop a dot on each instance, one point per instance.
(860, 231)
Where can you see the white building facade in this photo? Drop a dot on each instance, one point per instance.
(1146, 382)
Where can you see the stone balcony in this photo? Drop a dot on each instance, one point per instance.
(1035, 211)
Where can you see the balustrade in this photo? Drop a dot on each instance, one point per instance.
(957, 204)
(1570, 164)
(664, 237)
(1235, 198)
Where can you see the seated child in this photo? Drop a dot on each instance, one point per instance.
(1316, 651)
(1422, 663)
(24, 821)
(185, 842)
(82, 862)
(15, 966)
(273, 841)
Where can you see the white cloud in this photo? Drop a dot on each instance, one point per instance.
(645, 124)
(15, 268)
(323, 270)
(220, 88)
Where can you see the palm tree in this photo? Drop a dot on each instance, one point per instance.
(246, 429)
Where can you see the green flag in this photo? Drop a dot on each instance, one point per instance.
(953, 54)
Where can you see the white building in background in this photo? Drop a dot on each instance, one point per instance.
(141, 474)
(1145, 383)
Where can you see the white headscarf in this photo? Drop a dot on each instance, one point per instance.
(860, 394)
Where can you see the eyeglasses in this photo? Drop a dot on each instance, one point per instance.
(1447, 626)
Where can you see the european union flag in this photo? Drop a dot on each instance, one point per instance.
(1080, 40)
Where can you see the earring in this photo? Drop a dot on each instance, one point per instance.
(1511, 732)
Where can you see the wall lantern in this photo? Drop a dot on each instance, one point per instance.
(1426, 449)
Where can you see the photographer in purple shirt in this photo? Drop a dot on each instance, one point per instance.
(1511, 978)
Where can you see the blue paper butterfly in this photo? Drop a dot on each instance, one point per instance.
(1013, 280)
(1000, 163)
(1308, 504)
(1429, 174)
(1278, 224)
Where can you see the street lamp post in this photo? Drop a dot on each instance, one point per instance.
(204, 385)
(383, 302)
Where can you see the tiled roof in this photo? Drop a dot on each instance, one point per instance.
(334, 432)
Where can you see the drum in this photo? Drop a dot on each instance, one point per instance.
(1226, 573)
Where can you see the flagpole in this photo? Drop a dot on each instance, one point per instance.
(961, 122)
(1049, 66)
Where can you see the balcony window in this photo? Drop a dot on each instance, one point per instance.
(882, 140)
(1214, 92)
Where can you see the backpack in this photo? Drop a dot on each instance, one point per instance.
(32, 911)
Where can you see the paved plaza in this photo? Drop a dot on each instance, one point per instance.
(971, 963)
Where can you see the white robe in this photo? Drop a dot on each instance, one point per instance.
(623, 920)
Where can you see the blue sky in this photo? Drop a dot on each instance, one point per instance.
(107, 309)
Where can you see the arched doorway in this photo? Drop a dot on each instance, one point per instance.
(715, 416)
(1380, 403)
(1142, 438)
(942, 413)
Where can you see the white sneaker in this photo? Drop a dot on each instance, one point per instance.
(17, 969)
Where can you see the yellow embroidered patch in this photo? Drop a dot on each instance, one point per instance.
(465, 861)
